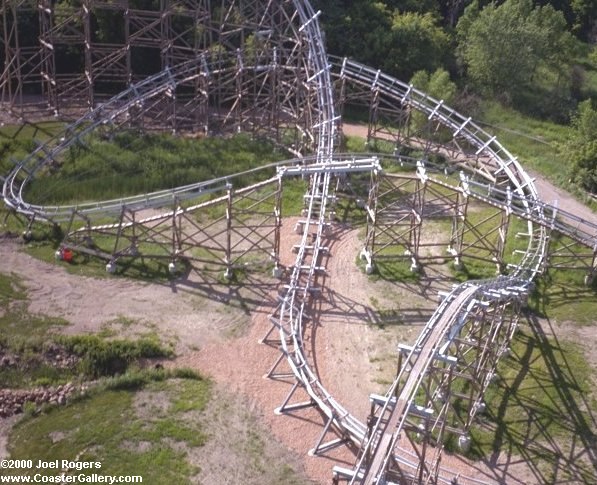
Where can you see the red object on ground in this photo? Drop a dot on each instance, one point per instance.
(67, 255)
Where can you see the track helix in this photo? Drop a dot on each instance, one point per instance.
(292, 78)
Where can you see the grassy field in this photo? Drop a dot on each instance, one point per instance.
(126, 433)
(131, 163)
(539, 145)
(16, 142)
(536, 143)
(28, 337)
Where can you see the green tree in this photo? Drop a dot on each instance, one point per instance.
(585, 18)
(398, 36)
(581, 16)
(451, 10)
(438, 84)
(583, 147)
(356, 31)
(503, 48)
(421, 6)
(415, 42)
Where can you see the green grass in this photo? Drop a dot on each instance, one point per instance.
(17, 325)
(101, 357)
(393, 270)
(153, 424)
(41, 131)
(562, 296)
(386, 317)
(348, 212)
(17, 142)
(148, 436)
(354, 144)
(293, 200)
(538, 409)
(132, 163)
(11, 289)
(144, 269)
(536, 143)
(24, 336)
(477, 259)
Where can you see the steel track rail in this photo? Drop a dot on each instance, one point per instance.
(382, 445)
(489, 152)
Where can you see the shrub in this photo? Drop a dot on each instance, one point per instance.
(110, 357)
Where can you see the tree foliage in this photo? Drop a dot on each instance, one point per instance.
(583, 146)
(503, 48)
(398, 37)
(438, 84)
(581, 16)
(415, 42)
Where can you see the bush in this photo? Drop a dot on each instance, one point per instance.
(108, 358)
(583, 147)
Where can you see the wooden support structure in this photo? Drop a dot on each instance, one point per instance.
(243, 233)
(402, 208)
(57, 62)
(439, 388)
(566, 253)
(271, 77)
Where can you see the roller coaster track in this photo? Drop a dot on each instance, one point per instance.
(475, 319)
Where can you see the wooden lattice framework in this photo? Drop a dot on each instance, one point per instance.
(445, 387)
(238, 229)
(400, 204)
(55, 62)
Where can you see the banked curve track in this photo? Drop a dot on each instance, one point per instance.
(379, 444)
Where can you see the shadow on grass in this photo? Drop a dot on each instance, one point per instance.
(539, 427)
(565, 299)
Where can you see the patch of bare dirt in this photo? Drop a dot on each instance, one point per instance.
(148, 404)
(6, 425)
(351, 353)
(583, 335)
(241, 448)
(183, 310)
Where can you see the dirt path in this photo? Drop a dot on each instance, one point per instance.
(353, 353)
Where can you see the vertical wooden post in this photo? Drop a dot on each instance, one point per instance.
(228, 274)
(88, 53)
